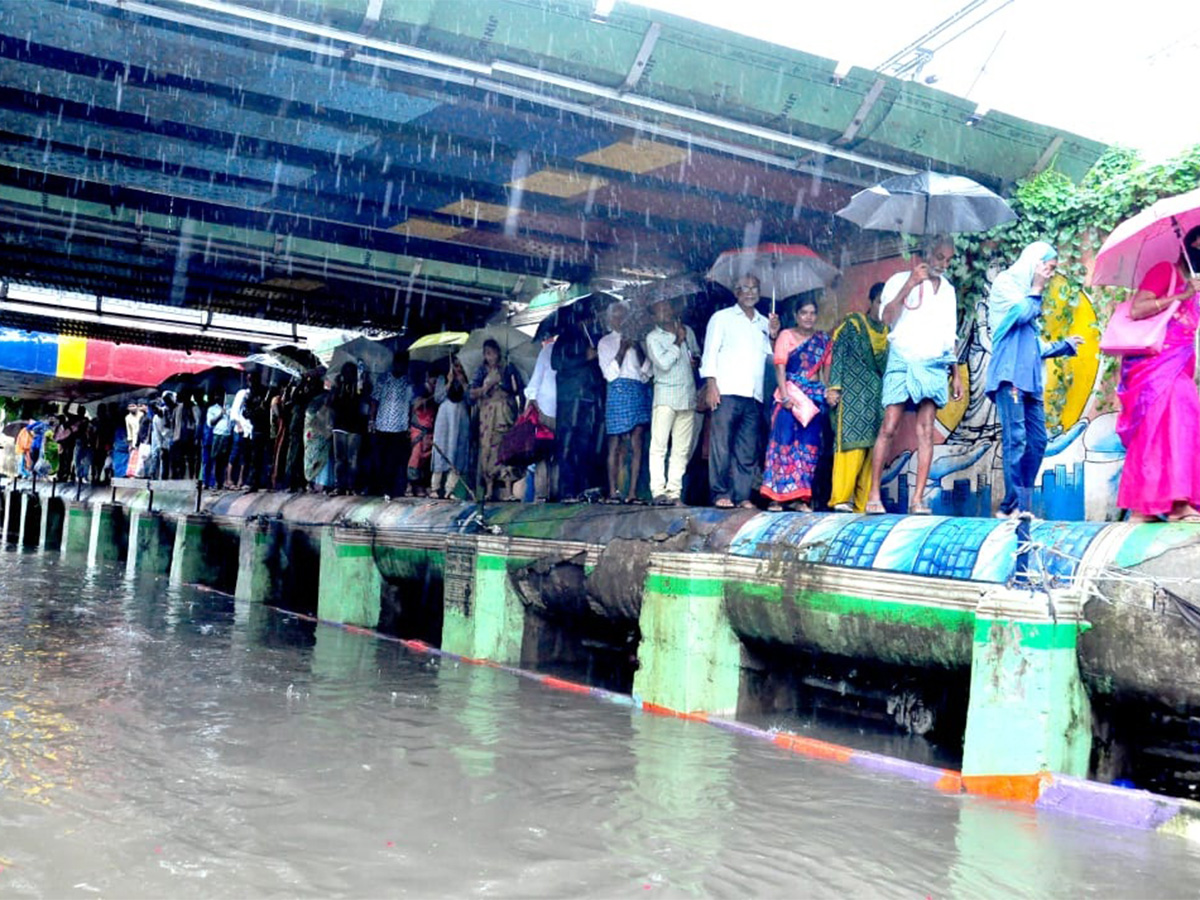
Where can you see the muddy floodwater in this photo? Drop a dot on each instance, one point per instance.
(164, 742)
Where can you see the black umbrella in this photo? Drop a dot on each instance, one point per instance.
(928, 203)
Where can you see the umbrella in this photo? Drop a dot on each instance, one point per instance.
(781, 269)
(547, 303)
(375, 356)
(1152, 236)
(305, 357)
(12, 429)
(927, 203)
(267, 359)
(433, 347)
(555, 300)
(515, 345)
(651, 292)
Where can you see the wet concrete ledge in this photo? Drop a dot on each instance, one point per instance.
(1029, 626)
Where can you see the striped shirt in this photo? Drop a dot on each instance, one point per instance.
(674, 380)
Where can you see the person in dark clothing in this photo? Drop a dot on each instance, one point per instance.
(349, 426)
(580, 389)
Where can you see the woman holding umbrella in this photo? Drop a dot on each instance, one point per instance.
(497, 389)
(1159, 422)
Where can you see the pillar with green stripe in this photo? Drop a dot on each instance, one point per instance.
(1028, 711)
(483, 617)
(77, 530)
(689, 658)
(350, 582)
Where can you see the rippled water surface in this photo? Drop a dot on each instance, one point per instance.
(162, 742)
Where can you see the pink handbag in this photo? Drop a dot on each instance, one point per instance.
(1127, 336)
(802, 407)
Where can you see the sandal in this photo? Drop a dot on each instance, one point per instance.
(920, 509)
(746, 504)
(775, 507)
(875, 508)
(723, 503)
(1186, 517)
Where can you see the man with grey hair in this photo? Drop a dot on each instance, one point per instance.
(921, 309)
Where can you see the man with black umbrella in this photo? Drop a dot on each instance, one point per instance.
(921, 309)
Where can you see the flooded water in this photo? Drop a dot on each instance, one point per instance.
(169, 743)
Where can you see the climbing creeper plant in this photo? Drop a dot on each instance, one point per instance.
(1075, 218)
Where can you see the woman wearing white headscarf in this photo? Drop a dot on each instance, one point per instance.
(1015, 377)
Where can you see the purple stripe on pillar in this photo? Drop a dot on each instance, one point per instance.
(740, 728)
(1120, 806)
(888, 765)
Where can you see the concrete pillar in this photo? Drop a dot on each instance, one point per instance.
(109, 537)
(689, 658)
(350, 580)
(483, 616)
(258, 577)
(1028, 713)
(31, 520)
(50, 533)
(77, 530)
(12, 516)
(151, 543)
(196, 556)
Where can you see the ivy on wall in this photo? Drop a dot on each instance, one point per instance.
(1075, 218)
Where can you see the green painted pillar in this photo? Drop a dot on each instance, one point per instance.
(1028, 711)
(151, 543)
(50, 532)
(195, 557)
(77, 530)
(258, 577)
(689, 658)
(31, 520)
(483, 618)
(109, 539)
(350, 586)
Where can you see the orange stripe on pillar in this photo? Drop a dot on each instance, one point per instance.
(1022, 788)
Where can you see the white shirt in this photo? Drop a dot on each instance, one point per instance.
(543, 384)
(930, 329)
(736, 350)
(237, 414)
(606, 352)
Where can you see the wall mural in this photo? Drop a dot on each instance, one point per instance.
(1078, 479)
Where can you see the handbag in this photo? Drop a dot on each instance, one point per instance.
(802, 407)
(1127, 336)
(527, 442)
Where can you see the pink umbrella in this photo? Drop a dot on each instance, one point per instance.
(1152, 236)
(782, 269)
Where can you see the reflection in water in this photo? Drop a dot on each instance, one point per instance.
(161, 741)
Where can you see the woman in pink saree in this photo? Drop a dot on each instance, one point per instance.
(1159, 422)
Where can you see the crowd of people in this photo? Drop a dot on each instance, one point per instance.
(759, 414)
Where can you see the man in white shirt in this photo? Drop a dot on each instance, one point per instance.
(627, 410)
(542, 394)
(241, 454)
(736, 347)
(671, 347)
(921, 309)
